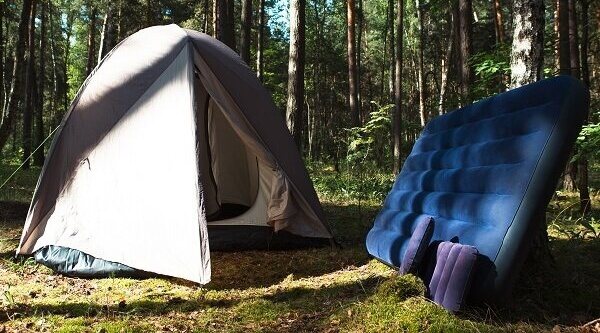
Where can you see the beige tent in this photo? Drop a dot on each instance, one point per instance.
(170, 142)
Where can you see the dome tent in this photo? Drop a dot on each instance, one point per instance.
(171, 142)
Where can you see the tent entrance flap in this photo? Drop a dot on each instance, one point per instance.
(229, 172)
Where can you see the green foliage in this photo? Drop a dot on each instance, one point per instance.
(588, 142)
(361, 140)
(492, 69)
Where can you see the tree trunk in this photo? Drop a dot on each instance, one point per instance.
(465, 14)
(527, 55)
(295, 90)
(260, 40)
(55, 92)
(352, 77)
(38, 157)
(119, 28)
(225, 22)
(397, 118)
(498, 22)
(65, 83)
(91, 43)
(564, 55)
(2, 44)
(105, 34)
(446, 61)
(359, 26)
(246, 29)
(420, 65)
(585, 203)
(570, 182)
(30, 89)
(392, 70)
(205, 9)
(574, 40)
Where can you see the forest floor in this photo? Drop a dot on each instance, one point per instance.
(323, 290)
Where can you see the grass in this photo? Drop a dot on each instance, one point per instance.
(311, 290)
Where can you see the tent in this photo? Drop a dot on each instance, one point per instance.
(171, 142)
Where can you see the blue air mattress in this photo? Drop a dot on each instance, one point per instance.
(485, 173)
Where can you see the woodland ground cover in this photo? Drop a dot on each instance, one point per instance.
(326, 290)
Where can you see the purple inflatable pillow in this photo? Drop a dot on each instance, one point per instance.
(417, 245)
(451, 277)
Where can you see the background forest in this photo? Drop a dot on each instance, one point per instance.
(356, 81)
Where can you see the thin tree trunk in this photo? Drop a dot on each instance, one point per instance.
(246, 29)
(498, 22)
(465, 14)
(68, 34)
(527, 55)
(260, 40)
(119, 33)
(2, 45)
(38, 157)
(564, 55)
(352, 77)
(556, 34)
(30, 89)
(91, 43)
(205, 9)
(359, 37)
(574, 40)
(105, 34)
(225, 22)
(446, 62)
(420, 65)
(215, 18)
(585, 203)
(397, 119)
(392, 76)
(570, 182)
(55, 94)
(295, 91)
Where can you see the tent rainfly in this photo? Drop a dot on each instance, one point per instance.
(171, 142)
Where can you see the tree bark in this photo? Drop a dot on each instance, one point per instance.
(527, 55)
(260, 40)
(205, 9)
(564, 55)
(465, 14)
(295, 91)
(2, 45)
(498, 22)
(352, 75)
(225, 22)
(397, 116)
(246, 29)
(38, 156)
(420, 65)
(359, 38)
(91, 43)
(585, 203)
(570, 182)
(105, 34)
(30, 89)
(446, 61)
(392, 70)
(574, 40)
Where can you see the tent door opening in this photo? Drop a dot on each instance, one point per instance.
(228, 170)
